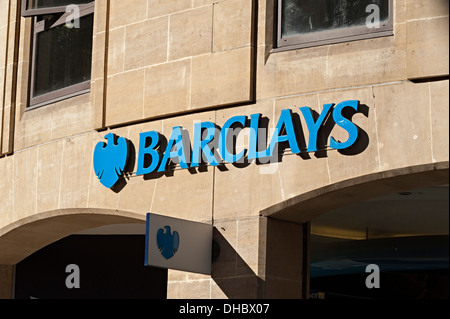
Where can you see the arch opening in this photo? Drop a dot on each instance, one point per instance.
(307, 206)
(26, 236)
(404, 236)
(396, 220)
(81, 254)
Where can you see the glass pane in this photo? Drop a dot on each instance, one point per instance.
(63, 56)
(308, 16)
(39, 4)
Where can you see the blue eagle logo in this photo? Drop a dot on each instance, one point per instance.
(110, 159)
(168, 242)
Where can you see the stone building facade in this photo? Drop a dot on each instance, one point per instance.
(157, 65)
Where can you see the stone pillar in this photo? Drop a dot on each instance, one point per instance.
(260, 258)
(235, 272)
(283, 259)
(6, 281)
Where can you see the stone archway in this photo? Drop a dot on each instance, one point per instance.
(22, 238)
(304, 207)
(26, 236)
(285, 219)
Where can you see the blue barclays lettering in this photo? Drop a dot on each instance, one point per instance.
(214, 145)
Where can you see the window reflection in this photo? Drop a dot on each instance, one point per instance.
(307, 16)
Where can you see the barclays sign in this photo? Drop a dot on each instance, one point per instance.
(110, 159)
(215, 146)
(175, 243)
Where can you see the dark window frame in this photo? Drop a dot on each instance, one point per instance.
(42, 26)
(42, 11)
(328, 36)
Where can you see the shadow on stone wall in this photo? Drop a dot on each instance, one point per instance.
(232, 274)
(279, 252)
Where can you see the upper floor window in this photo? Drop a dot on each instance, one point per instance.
(62, 49)
(306, 23)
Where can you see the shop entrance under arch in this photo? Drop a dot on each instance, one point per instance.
(403, 235)
(78, 253)
(331, 213)
(99, 263)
